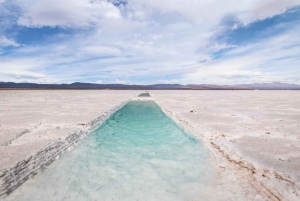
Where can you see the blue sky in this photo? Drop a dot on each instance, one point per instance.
(150, 41)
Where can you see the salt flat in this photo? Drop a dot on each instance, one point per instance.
(253, 135)
(31, 119)
(256, 133)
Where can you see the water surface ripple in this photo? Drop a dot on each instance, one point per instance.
(137, 154)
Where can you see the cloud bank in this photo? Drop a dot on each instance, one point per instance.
(144, 42)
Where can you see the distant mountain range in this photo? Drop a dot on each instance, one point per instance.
(78, 85)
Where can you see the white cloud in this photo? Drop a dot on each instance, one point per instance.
(272, 59)
(98, 50)
(4, 59)
(215, 46)
(146, 38)
(117, 81)
(269, 8)
(172, 81)
(98, 82)
(207, 13)
(90, 58)
(24, 74)
(7, 42)
(86, 13)
(67, 13)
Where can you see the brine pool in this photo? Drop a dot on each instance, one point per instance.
(137, 154)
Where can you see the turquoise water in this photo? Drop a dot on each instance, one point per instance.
(137, 154)
(144, 95)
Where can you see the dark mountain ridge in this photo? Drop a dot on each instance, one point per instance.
(79, 85)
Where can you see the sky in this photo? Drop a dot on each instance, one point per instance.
(150, 41)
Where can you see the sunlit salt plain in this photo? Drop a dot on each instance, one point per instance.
(137, 154)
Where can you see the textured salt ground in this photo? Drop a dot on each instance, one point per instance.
(257, 131)
(30, 120)
(137, 154)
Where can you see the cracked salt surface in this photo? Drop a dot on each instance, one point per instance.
(137, 154)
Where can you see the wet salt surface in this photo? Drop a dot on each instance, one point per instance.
(137, 154)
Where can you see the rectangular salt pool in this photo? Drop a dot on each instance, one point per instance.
(146, 94)
(137, 154)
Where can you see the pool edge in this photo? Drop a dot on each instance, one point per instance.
(13, 177)
(229, 166)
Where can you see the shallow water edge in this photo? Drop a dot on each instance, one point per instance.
(138, 153)
(232, 166)
(12, 178)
